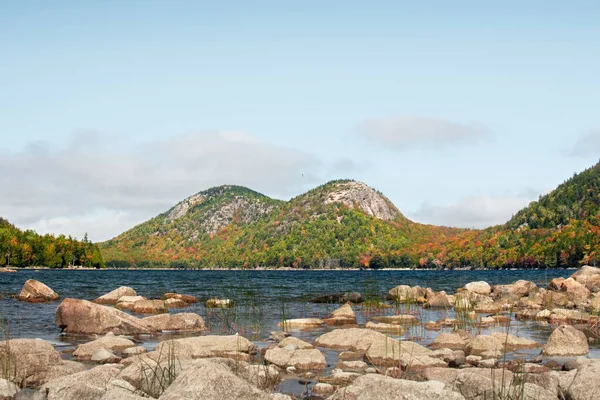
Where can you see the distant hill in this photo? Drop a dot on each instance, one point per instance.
(345, 223)
(27, 248)
(342, 223)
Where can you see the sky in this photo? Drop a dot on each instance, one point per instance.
(460, 112)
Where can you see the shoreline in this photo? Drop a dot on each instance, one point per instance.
(8, 270)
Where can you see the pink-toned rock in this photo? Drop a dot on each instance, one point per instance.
(84, 317)
(149, 307)
(566, 341)
(342, 316)
(184, 297)
(36, 292)
(113, 296)
(588, 276)
(189, 322)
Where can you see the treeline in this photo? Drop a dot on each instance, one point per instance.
(28, 249)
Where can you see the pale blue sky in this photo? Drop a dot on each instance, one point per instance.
(460, 112)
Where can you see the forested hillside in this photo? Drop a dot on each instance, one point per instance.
(348, 224)
(27, 249)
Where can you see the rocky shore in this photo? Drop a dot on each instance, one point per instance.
(475, 353)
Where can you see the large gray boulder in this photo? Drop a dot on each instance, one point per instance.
(566, 341)
(114, 296)
(36, 292)
(84, 317)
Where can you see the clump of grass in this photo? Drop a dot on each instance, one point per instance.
(157, 376)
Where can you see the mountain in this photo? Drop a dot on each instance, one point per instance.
(341, 223)
(345, 223)
(27, 249)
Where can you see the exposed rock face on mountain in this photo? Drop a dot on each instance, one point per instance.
(358, 195)
(217, 207)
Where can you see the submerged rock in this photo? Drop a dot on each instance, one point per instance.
(183, 297)
(339, 298)
(218, 303)
(301, 323)
(36, 292)
(149, 307)
(84, 317)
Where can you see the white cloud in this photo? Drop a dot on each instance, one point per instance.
(587, 145)
(103, 186)
(474, 211)
(412, 132)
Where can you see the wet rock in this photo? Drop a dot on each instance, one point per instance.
(480, 287)
(339, 298)
(219, 303)
(8, 390)
(278, 336)
(301, 323)
(353, 339)
(381, 327)
(375, 387)
(127, 302)
(209, 380)
(342, 316)
(36, 292)
(183, 297)
(489, 308)
(84, 317)
(149, 307)
(103, 356)
(566, 341)
(175, 303)
(108, 342)
(402, 319)
(86, 385)
(113, 296)
(182, 322)
(406, 294)
(432, 326)
(301, 359)
(437, 299)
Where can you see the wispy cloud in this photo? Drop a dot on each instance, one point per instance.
(103, 185)
(413, 132)
(588, 145)
(479, 211)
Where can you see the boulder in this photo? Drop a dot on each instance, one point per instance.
(585, 384)
(489, 308)
(376, 387)
(301, 359)
(134, 351)
(188, 322)
(480, 287)
(401, 319)
(36, 292)
(485, 343)
(301, 323)
(352, 366)
(451, 341)
(108, 342)
(111, 298)
(103, 356)
(409, 355)
(207, 346)
(127, 302)
(437, 299)
(149, 307)
(595, 304)
(339, 298)
(120, 390)
(175, 303)
(209, 380)
(86, 385)
(297, 343)
(32, 362)
(8, 390)
(353, 339)
(575, 291)
(556, 284)
(382, 327)
(566, 341)
(588, 276)
(186, 298)
(512, 342)
(218, 303)
(342, 316)
(406, 294)
(322, 389)
(84, 317)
